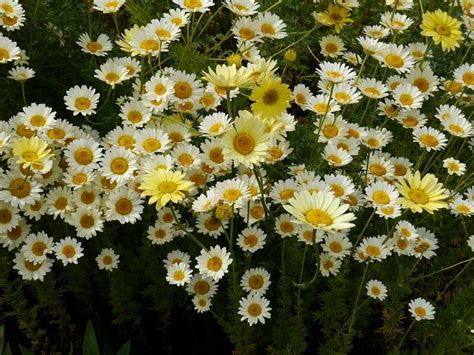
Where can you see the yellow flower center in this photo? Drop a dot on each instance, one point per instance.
(463, 209)
(150, 45)
(381, 197)
(372, 251)
(5, 216)
(38, 248)
(456, 128)
(468, 78)
(400, 170)
(30, 156)
(375, 291)
(107, 260)
(270, 97)
(216, 156)
(216, 128)
(287, 227)
(402, 244)
(56, 133)
(119, 166)
(331, 48)
(151, 145)
(443, 30)
(20, 188)
(61, 203)
(372, 91)
(212, 224)
(257, 212)
(254, 309)
(232, 194)
(160, 89)
(182, 90)
(246, 33)
(267, 29)
(338, 190)
(335, 247)
(192, 4)
(163, 33)
(87, 221)
(410, 121)
(167, 187)
(244, 143)
(94, 46)
(214, 263)
(178, 275)
(38, 121)
(83, 156)
(123, 206)
(287, 194)
(330, 131)
(202, 287)
(429, 140)
(394, 60)
(69, 251)
(418, 196)
(135, 116)
(420, 312)
(328, 264)
(112, 77)
(79, 179)
(82, 103)
(256, 282)
(31, 266)
(186, 159)
(4, 54)
(251, 240)
(377, 169)
(422, 84)
(15, 233)
(318, 217)
(406, 100)
(335, 160)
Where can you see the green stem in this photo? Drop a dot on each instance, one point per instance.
(293, 44)
(300, 280)
(364, 229)
(362, 282)
(209, 21)
(23, 95)
(405, 335)
(183, 228)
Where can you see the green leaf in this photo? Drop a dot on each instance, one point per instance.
(7, 350)
(90, 346)
(125, 349)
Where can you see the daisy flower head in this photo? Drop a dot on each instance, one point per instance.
(465, 75)
(270, 26)
(152, 141)
(443, 29)
(87, 221)
(13, 238)
(373, 88)
(18, 191)
(81, 100)
(202, 303)
(107, 259)
(214, 263)
(123, 205)
(335, 72)
(178, 274)
(135, 113)
(227, 77)
(302, 94)
(111, 72)
(30, 270)
(322, 105)
(242, 7)
(177, 17)
(429, 138)
(421, 309)
(160, 233)
(9, 217)
(454, 166)
(421, 193)
(255, 281)
(37, 247)
(163, 186)
(329, 265)
(335, 15)
(254, 308)
(376, 290)
(118, 165)
(99, 47)
(337, 244)
(37, 116)
(195, 5)
(458, 127)
(68, 250)
(9, 50)
(424, 79)
(395, 21)
(408, 96)
(395, 57)
(247, 141)
(374, 248)
(271, 98)
(21, 73)
(336, 157)
(461, 207)
(31, 152)
(251, 239)
(320, 210)
(331, 46)
(164, 30)
(381, 193)
(376, 31)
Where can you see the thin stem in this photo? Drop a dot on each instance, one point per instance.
(405, 335)
(23, 95)
(210, 20)
(183, 228)
(117, 28)
(452, 280)
(293, 44)
(364, 229)
(283, 266)
(445, 268)
(362, 282)
(300, 279)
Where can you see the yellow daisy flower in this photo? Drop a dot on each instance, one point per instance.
(31, 152)
(442, 28)
(271, 97)
(335, 15)
(164, 186)
(420, 194)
